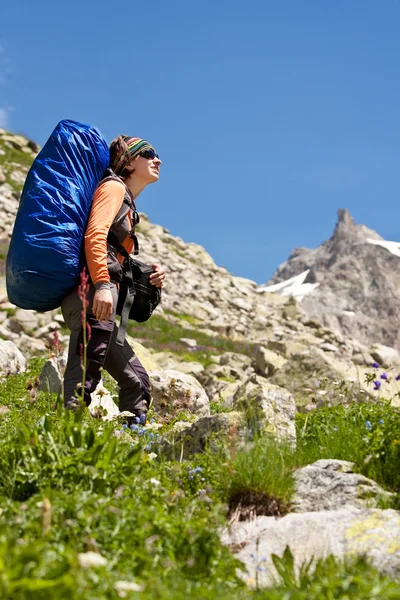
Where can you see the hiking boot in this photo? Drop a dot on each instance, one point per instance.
(139, 419)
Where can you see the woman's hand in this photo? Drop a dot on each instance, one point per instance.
(157, 278)
(102, 305)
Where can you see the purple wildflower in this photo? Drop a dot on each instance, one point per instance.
(377, 385)
(368, 425)
(375, 365)
(384, 376)
(397, 377)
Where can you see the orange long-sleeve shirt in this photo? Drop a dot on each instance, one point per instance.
(107, 201)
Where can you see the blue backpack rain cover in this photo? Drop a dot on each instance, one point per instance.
(45, 256)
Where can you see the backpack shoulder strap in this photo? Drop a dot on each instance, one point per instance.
(127, 205)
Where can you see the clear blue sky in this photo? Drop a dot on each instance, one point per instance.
(268, 115)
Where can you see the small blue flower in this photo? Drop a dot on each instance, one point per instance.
(148, 448)
(124, 426)
(152, 420)
(381, 421)
(137, 419)
(375, 365)
(377, 385)
(384, 376)
(368, 425)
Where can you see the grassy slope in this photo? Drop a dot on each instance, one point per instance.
(67, 486)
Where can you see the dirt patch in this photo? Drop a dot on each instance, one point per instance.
(249, 504)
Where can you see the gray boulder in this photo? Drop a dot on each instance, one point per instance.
(173, 391)
(191, 438)
(269, 405)
(332, 485)
(50, 377)
(348, 532)
(11, 359)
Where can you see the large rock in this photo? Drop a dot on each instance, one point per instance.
(173, 391)
(332, 485)
(204, 432)
(269, 405)
(11, 359)
(348, 532)
(143, 354)
(51, 376)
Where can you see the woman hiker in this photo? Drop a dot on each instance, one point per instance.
(133, 165)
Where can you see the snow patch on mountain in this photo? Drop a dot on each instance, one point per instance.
(294, 286)
(393, 247)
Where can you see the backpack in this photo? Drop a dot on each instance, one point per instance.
(45, 256)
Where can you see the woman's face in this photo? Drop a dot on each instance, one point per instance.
(146, 169)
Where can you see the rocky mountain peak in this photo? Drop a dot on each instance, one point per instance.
(350, 282)
(346, 230)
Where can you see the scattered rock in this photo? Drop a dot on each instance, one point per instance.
(268, 362)
(189, 342)
(385, 356)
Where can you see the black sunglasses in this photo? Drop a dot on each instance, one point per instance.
(150, 153)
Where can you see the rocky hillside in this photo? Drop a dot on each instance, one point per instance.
(210, 310)
(302, 458)
(350, 283)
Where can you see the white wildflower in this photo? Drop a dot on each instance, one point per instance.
(154, 481)
(123, 587)
(152, 455)
(91, 559)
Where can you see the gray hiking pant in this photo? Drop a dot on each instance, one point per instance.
(102, 352)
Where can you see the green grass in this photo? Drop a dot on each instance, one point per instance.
(12, 155)
(68, 485)
(162, 335)
(367, 434)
